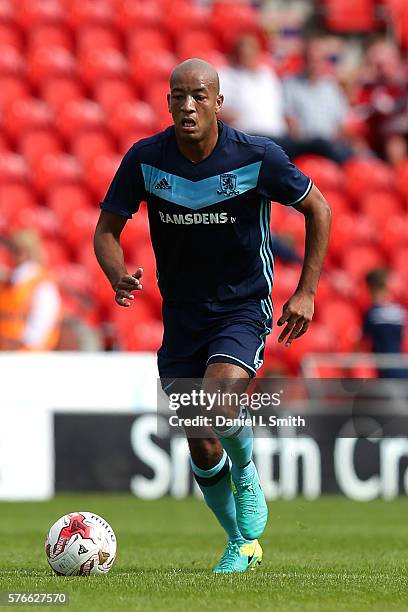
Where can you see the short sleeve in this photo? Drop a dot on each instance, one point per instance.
(126, 190)
(280, 180)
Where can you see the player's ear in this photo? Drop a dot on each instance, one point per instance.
(219, 102)
(168, 102)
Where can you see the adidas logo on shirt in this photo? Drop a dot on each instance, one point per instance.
(162, 184)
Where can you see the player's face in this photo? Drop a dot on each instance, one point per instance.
(194, 103)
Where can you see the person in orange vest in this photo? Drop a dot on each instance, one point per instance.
(30, 303)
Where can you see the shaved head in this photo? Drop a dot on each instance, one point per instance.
(202, 70)
(194, 102)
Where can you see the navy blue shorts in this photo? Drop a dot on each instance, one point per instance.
(197, 334)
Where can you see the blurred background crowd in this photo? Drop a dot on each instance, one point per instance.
(81, 80)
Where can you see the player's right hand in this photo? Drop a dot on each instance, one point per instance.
(127, 284)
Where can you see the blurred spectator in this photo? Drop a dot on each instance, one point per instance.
(382, 101)
(253, 92)
(77, 335)
(383, 323)
(284, 249)
(316, 108)
(30, 304)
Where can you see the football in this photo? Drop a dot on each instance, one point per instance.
(80, 544)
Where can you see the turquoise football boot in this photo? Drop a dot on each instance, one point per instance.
(239, 557)
(250, 504)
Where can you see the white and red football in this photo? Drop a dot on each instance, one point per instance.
(81, 544)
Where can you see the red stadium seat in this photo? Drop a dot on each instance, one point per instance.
(136, 235)
(137, 329)
(349, 230)
(338, 201)
(100, 287)
(13, 168)
(402, 180)
(14, 196)
(324, 172)
(112, 92)
(380, 206)
(365, 175)
(7, 11)
(11, 61)
(286, 280)
(131, 16)
(97, 38)
(3, 143)
(291, 225)
(101, 64)
(78, 305)
(41, 219)
(56, 169)
(63, 199)
(28, 113)
(149, 62)
(84, 12)
(359, 260)
(58, 91)
(350, 15)
(36, 143)
(195, 43)
(144, 258)
(156, 96)
(400, 262)
(147, 39)
(100, 173)
(88, 145)
(129, 139)
(229, 21)
(34, 12)
(10, 35)
(395, 233)
(45, 63)
(49, 36)
(345, 322)
(398, 11)
(181, 17)
(79, 115)
(73, 277)
(79, 227)
(319, 338)
(12, 89)
(56, 254)
(132, 116)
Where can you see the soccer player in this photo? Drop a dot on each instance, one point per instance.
(208, 188)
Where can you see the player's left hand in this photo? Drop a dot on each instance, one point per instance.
(297, 313)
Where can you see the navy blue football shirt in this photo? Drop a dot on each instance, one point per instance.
(209, 220)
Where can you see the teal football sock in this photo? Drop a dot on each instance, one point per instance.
(238, 442)
(216, 487)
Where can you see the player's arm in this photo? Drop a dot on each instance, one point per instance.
(121, 201)
(298, 310)
(109, 254)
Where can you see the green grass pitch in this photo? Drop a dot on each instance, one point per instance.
(330, 554)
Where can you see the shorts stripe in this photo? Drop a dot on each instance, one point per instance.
(234, 359)
(266, 307)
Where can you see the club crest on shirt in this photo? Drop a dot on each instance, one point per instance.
(228, 184)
